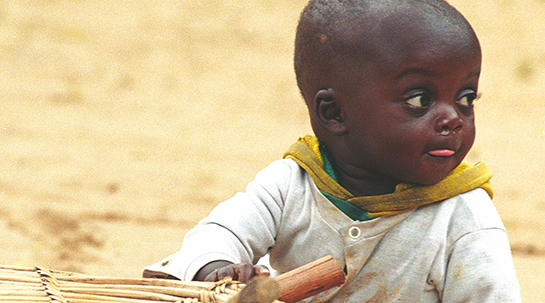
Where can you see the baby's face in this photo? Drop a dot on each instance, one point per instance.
(409, 112)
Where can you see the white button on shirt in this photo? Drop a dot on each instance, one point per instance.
(354, 232)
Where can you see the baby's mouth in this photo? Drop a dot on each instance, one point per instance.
(441, 152)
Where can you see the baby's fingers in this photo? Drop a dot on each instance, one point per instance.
(228, 271)
(212, 277)
(238, 272)
(221, 273)
(243, 272)
(262, 270)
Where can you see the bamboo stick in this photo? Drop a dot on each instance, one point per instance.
(21, 292)
(26, 299)
(26, 284)
(121, 293)
(89, 288)
(18, 268)
(134, 281)
(25, 279)
(17, 285)
(75, 297)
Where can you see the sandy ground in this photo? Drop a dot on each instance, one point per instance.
(122, 123)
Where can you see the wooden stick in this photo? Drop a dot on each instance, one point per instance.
(310, 279)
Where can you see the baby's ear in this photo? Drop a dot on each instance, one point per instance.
(328, 112)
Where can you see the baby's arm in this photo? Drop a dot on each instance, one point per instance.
(240, 230)
(480, 269)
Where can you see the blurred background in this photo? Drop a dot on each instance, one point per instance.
(122, 123)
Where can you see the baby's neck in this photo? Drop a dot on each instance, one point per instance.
(364, 183)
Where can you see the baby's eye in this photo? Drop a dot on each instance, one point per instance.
(422, 101)
(467, 100)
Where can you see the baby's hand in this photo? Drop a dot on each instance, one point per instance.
(239, 272)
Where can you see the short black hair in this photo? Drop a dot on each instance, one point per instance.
(323, 29)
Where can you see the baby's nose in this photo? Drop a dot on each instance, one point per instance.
(449, 121)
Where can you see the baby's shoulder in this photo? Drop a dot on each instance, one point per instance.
(282, 172)
(464, 214)
(475, 209)
(282, 178)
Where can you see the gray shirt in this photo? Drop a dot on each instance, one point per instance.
(451, 251)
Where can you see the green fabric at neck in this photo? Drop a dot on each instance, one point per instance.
(353, 212)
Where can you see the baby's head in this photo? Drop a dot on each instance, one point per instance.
(389, 85)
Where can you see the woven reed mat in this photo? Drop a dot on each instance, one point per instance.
(34, 284)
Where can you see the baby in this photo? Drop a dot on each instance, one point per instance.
(382, 186)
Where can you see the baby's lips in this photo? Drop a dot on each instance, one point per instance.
(442, 152)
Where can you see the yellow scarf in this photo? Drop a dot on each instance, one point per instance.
(306, 152)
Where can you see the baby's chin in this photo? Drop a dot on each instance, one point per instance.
(430, 175)
(429, 181)
(426, 179)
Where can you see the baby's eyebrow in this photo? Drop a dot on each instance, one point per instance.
(476, 74)
(416, 70)
(429, 73)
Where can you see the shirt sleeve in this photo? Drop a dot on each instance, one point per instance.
(480, 269)
(239, 230)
